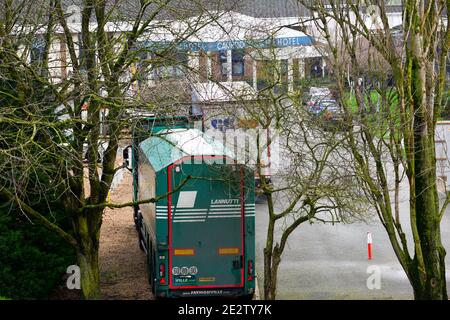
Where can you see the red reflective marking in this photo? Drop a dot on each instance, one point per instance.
(242, 223)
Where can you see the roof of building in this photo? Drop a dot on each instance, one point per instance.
(170, 145)
(173, 9)
(271, 8)
(230, 30)
(128, 10)
(186, 8)
(205, 92)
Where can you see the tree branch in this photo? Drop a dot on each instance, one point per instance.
(40, 218)
(134, 203)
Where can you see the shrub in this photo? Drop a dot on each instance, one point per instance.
(32, 259)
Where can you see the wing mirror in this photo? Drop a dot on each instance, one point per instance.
(127, 157)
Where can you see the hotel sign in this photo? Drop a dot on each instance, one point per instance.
(238, 44)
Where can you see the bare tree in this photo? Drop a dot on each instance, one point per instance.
(312, 182)
(81, 78)
(396, 142)
(300, 162)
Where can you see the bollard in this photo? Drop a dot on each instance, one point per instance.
(369, 245)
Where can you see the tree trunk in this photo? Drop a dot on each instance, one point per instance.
(272, 259)
(424, 287)
(90, 275)
(268, 283)
(88, 237)
(429, 283)
(276, 259)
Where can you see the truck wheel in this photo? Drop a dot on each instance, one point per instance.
(136, 217)
(150, 268)
(141, 241)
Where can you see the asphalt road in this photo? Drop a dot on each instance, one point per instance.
(323, 261)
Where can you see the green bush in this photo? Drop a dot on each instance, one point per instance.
(32, 259)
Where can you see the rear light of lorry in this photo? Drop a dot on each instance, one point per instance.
(250, 270)
(162, 273)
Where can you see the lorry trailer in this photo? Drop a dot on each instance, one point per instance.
(199, 231)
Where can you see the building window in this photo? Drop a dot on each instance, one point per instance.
(142, 67)
(37, 51)
(180, 63)
(81, 53)
(173, 66)
(316, 68)
(223, 62)
(237, 62)
(237, 57)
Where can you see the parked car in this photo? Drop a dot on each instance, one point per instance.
(328, 110)
(317, 94)
(321, 106)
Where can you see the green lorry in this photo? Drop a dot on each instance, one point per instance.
(199, 234)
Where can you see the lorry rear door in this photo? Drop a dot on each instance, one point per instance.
(205, 227)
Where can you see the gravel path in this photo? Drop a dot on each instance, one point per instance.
(123, 272)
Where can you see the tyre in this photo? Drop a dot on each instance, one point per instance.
(151, 268)
(141, 240)
(136, 217)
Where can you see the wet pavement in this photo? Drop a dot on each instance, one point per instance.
(324, 261)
